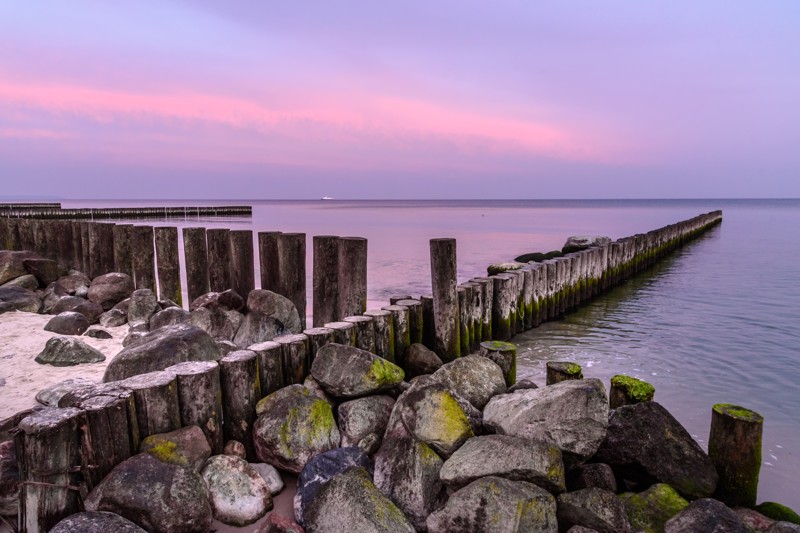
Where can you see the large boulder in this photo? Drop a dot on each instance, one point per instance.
(9, 479)
(571, 414)
(113, 318)
(156, 496)
(168, 317)
(96, 522)
(74, 281)
(19, 299)
(143, 305)
(595, 508)
(293, 426)
(45, 270)
(498, 505)
(186, 447)
(51, 296)
(96, 332)
(68, 351)
(219, 322)
(474, 378)
(256, 328)
(66, 303)
(229, 299)
(645, 444)
(12, 264)
(508, 457)
(362, 416)
(706, 515)
(109, 289)
(421, 361)
(51, 395)
(348, 372)
(351, 502)
(577, 243)
(270, 475)
(90, 310)
(648, 511)
(275, 306)
(67, 323)
(160, 349)
(239, 495)
(499, 268)
(28, 282)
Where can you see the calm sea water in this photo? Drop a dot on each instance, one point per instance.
(719, 321)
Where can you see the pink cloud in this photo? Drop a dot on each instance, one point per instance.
(32, 133)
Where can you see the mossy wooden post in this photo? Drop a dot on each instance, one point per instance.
(476, 315)
(487, 296)
(51, 239)
(123, 251)
(365, 331)
(167, 264)
(317, 338)
(48, 445)
(734, 447)
(402, 333)
(428, 322)
(527, 298)
(268, 259)
(415, 318)
(343, 332)
(292, 270)
(195, 257)
(505, 355)
(519, 300)
(383, 325)
(219, 260)
(325, 279)
(270, 366)
(200, 399)
(444, 273)
(295, 357)
(144, 266)
(242, 263)
(464, 319)
(626, 390)
(241, 390)
(502, 306)
(538, 293)
(558, 371)
(85, 247)
(156, 398)
(108, 439)
(352, 276)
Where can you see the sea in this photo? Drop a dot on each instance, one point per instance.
(716, 322)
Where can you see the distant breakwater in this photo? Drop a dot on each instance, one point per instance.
(55, 212)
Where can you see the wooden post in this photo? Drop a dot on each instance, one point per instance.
(200, 399)
(270, 366)
(343, 332)
(108, 435)
(402, 333)
(196, 260)
(268, 259)
(445, 298)
(156, 397)
(291, 249)
(527, 298)
(393, 300)
(383, 325)
(144, 258)
(476, 315)
(13, 240)
(123, 252)
(464, 319)
(734, 447)
(505, 355)
(242, 265)
(503, 316)
(85, 260)
(626, 390)
(326, 279)
(415, 319)
(352, 274)
(241, 390)
(219, 260)
(487, 296)
(169, 269)
(317, 338)
(63, 231)
(558, 371)
(428, 322)
(295, 357)
(365, 331)
(101, 249)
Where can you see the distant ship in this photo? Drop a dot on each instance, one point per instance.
(326, 198)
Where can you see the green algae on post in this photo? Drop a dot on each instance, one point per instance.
(558, 371)
(734, 446)
(627, 390)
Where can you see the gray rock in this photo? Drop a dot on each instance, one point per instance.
(362, 416)
(257, 327)
(82, 291)
(226, 347)
(186, 447)
(51, 296)
(523, 384)
(110, 289)
(474, 378)
(51, 395)
(90, 310)
(156, 496)
(311, 384)
(166, 304)
(421, 361)
(270, 475)
(783, 527)
(96, 332)
(168, 317)
(96, 522)
(68, 351)
(595, 508)
(581, 529)
(577, 243)
(370, 444)
(498, 505)
(646, 443)
(508, 457)
(18, 299)
(705, 516)
(571, 414)
(12, 266)
(347, 371)
(650, 510)
(160, 349)
(66, 303)
(67, 323)
(275, 306)
(228, 299)
(45, 270)
(499, 268)
(124, 305)
(235, 448)
(598, 475)
(113, 318)
(28, 282)
(751, 518)
(143, 305)
(219, 322)
(354, 496)
(132, 338)
(239, 495)
(9, 479)
(74, 281)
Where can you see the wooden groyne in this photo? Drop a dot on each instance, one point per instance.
(28, 206)
(54, 212)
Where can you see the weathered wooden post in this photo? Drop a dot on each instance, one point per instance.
(295, 357)
(352, 274)
(270, 366)
(326, 279)
(464, 319)
(365, 331)
(200, 399)
(268, 259)
(167, 262)
(626, 390)
(242, 262)
(558, 371)
(402, 333)
(156, 398)
(487, 297)
(109, 439)
(195, 257)
(734, 447)
(503, 307)
(428, 322)
(317, 338)
(144, 258)
(343, 332)
(63, 232)
(415, 318)
(476, 315)
(219, 260)
(505, 355)
(291, 283)
(383, 325)
(101, 248)
(444, 283)
(241, 391)
(123, 251)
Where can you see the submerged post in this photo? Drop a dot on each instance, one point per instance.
(734, 447)
(445, 298)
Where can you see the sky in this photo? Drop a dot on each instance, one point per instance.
(413, 99)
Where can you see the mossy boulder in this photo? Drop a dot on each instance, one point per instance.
(476, 379)
(577, 243)
(595, 508)
(649, 510)
(778, 511)
(186, 447)
(499, 268)
(348, 372)
(68, 351)
(293, 425)
(704, 515)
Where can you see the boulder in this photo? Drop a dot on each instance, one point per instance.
(476, 379)
(239, 495)
(648, 511)
(778, 511)
(51, 395)
(96, 332)
(499, 268)
(90, 310)
(576, 243)
(783, 527)
(571, 414)
(598, 475)
(370, 444)
(320, 470)
(276, 523)
(595, 508)
(645, 444)
(113, 318)
(11, 264)
(18, 299)
(186, 447)
(109, 289)
(160, 349)
(74, 281)
(168, 317)
(312, 384)
(362, 416)
(123, 305)
(45, 270)
(498, 505)
(752, 519)
(705, 515)
(143, 305)
(51, 296)
(96, 522)
(257, 327)
(293, 426)
(9, 479)
(275, 306)
(67, 323)
(28, 282)
(351, 502)
(270, 475)
(156, 496)
(348, 372)
(228, 299)
(226, 347)
(235, 448)
(219, 322)
(68, 351)
(508, 457)
(421, 361)
(132, 337)
(66, 303)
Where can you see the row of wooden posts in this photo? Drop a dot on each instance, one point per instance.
(54, 211)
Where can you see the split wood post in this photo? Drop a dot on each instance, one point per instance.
(49, 444)
(734, 447)
(352, 274)
(291, 248)
(270, 366)
(519, 300)
(241, 391)
(626, 390)
(200, 399)
(219, 260)
(558, 371)
(295, 358)
(242, 265)
(464, 319)
(487, 297)
(402, 333)
(156, 398)
(343, 332)
(317, 338)
(428, 322)
(445, 298)
(85, 261)
(383, 325)
(326, 279)
(123, 250)
(168, 265)
(108, 437)
(415, 319)
(51, 239)
(503, 304)
(196, 260)
(365, 331)
(268, 259)
(505, 355)
(144, 258)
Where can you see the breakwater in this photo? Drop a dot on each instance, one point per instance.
(55, 212)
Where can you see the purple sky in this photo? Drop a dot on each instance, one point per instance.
(365, 99)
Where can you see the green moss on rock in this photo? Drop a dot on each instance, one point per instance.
(738, 412)
(778, 511)
(650, 510)
(636, 389)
